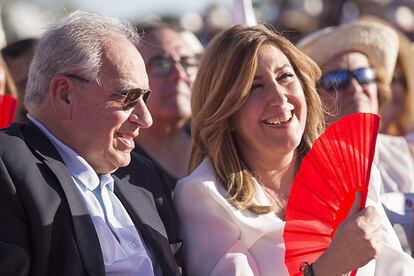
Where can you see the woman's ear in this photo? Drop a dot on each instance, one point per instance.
(62, 91)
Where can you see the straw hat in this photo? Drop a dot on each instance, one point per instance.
(378, 42)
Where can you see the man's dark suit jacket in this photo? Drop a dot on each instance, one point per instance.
(45, 228)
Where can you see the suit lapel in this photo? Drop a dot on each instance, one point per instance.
(85, 233)
(140, 205)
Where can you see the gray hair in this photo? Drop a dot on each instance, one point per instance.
(72, 45)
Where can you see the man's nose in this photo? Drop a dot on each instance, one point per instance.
(141, 115)
(354, 86)
(178, 71)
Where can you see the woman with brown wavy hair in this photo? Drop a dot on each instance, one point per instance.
(256, 113)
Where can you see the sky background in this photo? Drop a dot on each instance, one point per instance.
(130, 9)
(29, 18)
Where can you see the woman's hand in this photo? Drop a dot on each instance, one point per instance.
(357, 241)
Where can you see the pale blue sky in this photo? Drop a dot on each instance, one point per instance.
(29, 18)
(131, 9)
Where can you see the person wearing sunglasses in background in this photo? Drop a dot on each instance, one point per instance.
(397, 118)
(62, 211)
(357, 60)
(171, 66)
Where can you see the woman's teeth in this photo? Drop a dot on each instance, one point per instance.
(280, 119)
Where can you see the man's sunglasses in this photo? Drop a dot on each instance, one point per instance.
(162, 65)
(131, 96)
(339, 79)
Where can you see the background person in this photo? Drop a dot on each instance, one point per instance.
(397, 116)
(171, 67)
(357, 60)
(18, 56)
(8, 96)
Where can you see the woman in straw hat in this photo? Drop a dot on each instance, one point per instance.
(256, 113)
(358, 60)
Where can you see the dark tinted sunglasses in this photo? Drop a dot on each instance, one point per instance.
(340, 79)
(131, 96)
(162, 66)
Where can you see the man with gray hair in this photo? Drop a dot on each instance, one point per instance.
(61, 210)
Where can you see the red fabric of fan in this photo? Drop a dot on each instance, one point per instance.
(8, 105)
(323, 191)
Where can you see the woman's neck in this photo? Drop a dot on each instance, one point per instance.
(276, 175)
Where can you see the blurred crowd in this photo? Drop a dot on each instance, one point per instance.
(208, 81)
(293, 18)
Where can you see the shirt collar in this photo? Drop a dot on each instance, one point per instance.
(77, 166)
(106, 180)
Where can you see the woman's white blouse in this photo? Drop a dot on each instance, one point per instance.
(220, 240)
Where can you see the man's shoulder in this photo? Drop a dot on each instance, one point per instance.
(12, 134)
(12, 141)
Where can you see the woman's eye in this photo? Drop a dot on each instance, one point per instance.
(284, 76)
(255, 86)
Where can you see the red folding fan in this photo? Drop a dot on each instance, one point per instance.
(323, 191)
(8, 106)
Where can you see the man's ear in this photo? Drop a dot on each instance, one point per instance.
(62, 91)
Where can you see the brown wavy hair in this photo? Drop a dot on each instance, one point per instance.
(223, 83)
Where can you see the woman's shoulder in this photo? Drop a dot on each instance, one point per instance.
(202, 176)
(200, 185)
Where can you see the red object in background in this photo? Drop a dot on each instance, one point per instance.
(8, 105)
(323, 191)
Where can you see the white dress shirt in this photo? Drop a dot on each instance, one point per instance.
(221, 240)
(122, 247)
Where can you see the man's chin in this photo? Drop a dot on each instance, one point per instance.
(123, 162)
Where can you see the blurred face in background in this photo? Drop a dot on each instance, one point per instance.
(393, 109)
(171, 68)
(19, 71)
(348, 85)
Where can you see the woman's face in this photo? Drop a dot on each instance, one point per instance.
(273, 118)
(353, 97)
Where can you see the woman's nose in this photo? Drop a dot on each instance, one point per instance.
(277, 95)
